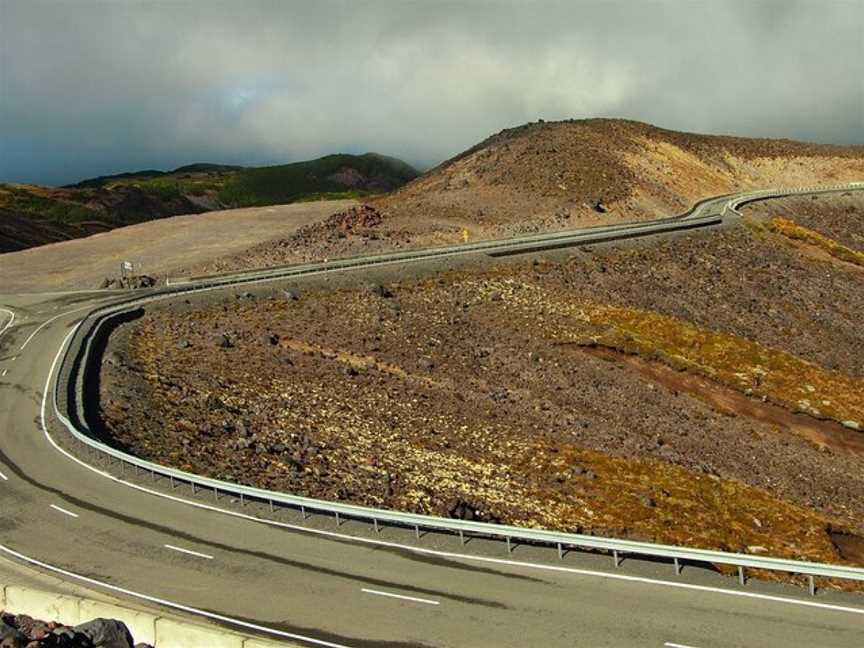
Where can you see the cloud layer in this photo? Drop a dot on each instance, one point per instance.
(97, 87)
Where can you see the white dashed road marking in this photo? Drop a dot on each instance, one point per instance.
(189, 551)
(3, 477)
(669, 644)
(64, 511)
(399, 596)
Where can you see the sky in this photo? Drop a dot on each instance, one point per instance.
(90, 88)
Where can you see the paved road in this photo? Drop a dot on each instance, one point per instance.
(341, 591)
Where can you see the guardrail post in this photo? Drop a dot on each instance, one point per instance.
(171, 479)
(677, 567)
(303, 511)
(812, 584)
(741, 578)
(271, 505)
(375, 522)
(216, 493)
(193, 487)
(615, 558)
(417, 531)
(509, 548)
(461, 537)
(560, 551)
(242, 500)
(338, 523)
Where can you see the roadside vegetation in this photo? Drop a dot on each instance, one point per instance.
(744, 365)
(806, 235)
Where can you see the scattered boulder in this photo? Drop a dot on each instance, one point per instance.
(291, 295)
(11, 637)
(359, 217)
(224, 341)
(426, 363)
(106, 633)
(379, 290)
(115, 359)
(462, 510)
(130, 282)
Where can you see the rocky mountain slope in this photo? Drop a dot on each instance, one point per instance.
(705, 390)
(32, 215)
(560, 175)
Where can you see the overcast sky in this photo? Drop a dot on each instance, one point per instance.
(89, 88)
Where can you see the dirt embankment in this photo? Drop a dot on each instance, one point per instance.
(561, 175)
(465, 395)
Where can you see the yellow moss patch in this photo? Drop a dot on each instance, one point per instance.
(735, 361)
(797, 232)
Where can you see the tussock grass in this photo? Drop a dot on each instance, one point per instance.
(798, 232)
(742, 364)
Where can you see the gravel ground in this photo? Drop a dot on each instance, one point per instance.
(442, 396)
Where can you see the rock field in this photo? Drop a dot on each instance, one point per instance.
(652, 391)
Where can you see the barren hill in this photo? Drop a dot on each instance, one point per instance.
(550, 172)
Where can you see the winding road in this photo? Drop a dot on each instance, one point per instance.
(314, 583)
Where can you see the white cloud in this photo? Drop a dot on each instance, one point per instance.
(96, 87)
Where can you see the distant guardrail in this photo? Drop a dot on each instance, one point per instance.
(78, 361)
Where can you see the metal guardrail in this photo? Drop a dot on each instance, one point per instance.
(77, 361)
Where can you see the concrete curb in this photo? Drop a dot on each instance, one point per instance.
(161, 631)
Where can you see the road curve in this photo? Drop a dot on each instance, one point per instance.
(344, 586)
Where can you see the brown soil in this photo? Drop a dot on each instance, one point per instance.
(452, 397)
(561, 175)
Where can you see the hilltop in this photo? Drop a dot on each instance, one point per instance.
(552, 174)
(32, 215)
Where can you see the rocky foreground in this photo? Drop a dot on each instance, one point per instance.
(706, 391)
(22, 631)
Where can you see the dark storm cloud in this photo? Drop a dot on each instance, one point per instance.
(96, 87)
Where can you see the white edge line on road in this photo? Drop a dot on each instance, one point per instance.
(421, 550)
(11, 319)
(64, 511)
(670, 644)
(400, 596)
(166, 603)
(188, 551)
(48, 321)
